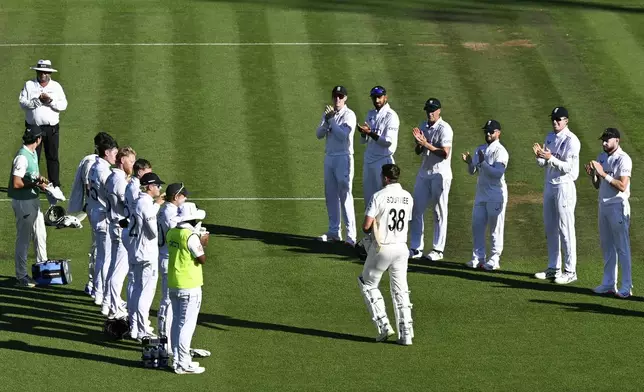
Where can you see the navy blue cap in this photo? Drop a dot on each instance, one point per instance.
(150, 179)
(491, 125)
(432, 104)
(339, 90)
(378, 91)
(610, 133)
(559, 112)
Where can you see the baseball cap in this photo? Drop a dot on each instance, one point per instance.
(491, 125)
(378, 91)
(32, 132)
(432, 104)
(176, 189)
(189, 211)
(339, 90)
(150, 178)
(559, 112)
(610, 133)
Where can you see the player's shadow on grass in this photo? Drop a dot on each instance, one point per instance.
(458, 270)
(56, 353)
(52, 314)
(592, 308)
(292, 242)
(212, 320)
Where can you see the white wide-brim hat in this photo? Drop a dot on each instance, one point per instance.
(43, 66)
(189, 211)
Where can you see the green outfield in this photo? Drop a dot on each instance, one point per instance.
(225, 96)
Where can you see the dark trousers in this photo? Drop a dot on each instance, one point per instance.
(50, 141)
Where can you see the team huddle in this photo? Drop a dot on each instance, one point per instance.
(391, 211)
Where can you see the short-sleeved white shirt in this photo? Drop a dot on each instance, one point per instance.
(617, 164)
(440, 134)
(391, 209)
(194, 243)
(20, 164)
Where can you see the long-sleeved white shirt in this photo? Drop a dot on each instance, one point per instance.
(132, 192)
(617, 164)
(438, 135)
(97, 198)
(338, 131)
(384, 123)
(79, 186)
(37, 112)
(143, 228)
(115, 186)
(168, 218)
(563, 166)
(490, 185)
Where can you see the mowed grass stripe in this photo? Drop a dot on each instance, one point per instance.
(258, 69)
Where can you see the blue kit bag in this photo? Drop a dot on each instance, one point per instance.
(51, 272)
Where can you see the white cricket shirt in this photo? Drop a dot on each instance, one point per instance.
(97, 199)
(563, 166)
(143, 228)
(385, 123)
(115, 186)
(35, 111)
(339, 132)
(391, 209)
(167, 218)
(79, 186)
(132, 192)
(490, 185)
(438, 135)
(616, 165)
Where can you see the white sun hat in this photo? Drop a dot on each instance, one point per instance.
(43, 66)
(189, 211)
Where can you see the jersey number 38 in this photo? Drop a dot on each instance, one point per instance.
(396, 219)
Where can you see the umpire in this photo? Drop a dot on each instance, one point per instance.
(43, 99)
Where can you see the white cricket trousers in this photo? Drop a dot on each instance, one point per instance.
(101, 229)
(614, 224)
(338, 186)
(164, 318)
(186, 304)
(390, 257)
(118, 268)
(372, 178)
(146, 275)
(559, 220)
(30, 224)
(488, 215)
(433, 192)
(91, 257)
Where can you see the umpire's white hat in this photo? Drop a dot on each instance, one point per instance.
(44, 66)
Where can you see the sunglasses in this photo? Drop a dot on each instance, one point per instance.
(558, 119)
(489, 131)
(338, 96)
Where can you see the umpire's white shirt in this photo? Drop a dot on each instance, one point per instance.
(490, 185)
(115, 185)
(168, 218)
(339, 132)
(563, 166)
(391, 209)
(616, 165)
(35, 111)
(438, 135)
(385, 123)
(98, 174)
(143, 224)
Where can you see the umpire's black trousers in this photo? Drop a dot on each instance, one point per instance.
(51, 143)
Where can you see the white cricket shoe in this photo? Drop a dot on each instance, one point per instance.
(193, 364)
(605, 289)
(384, 335)
(474, 263)
(26, 281)
(326, 237)
(566, 277)
(350, 242)
(434, 255)
(415, 254)
(550, 273)
(491, 265)
(190, 370)
(624, 293)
